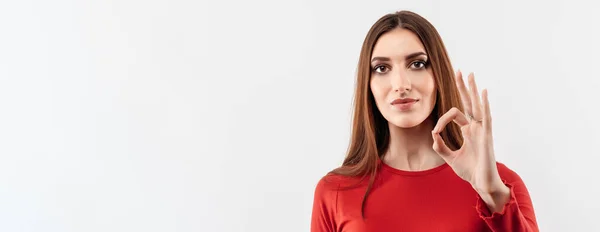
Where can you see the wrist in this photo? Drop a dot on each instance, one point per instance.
(495, 198)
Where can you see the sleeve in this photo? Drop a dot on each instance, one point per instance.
(323, 211)
(517, 214)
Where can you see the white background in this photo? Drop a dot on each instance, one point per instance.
(137, 115)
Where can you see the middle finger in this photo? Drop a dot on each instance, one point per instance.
(475, 100)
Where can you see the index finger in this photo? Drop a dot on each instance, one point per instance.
(452, 115)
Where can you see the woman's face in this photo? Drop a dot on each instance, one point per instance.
(400, 72)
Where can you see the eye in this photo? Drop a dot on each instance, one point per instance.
(418, 64)
(380, 69)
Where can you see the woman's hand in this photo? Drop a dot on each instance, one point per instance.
(474, 162)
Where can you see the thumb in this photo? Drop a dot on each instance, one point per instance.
(440, 147)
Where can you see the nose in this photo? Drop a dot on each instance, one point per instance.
(401, 82)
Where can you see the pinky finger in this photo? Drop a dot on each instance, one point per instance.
(487, 114)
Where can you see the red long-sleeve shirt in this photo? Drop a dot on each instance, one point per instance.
(431, 200)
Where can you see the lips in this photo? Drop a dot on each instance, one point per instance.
(403, 101)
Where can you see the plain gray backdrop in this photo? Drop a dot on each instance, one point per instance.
(161, 115)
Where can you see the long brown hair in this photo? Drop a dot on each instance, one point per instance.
(370, 133)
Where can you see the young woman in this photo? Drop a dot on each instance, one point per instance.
(421, 156)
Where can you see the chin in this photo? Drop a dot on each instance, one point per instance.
(406, 121)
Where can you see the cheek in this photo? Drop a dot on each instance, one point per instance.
(431, 88)
(429, 84)
(427, 87)
(378, 90)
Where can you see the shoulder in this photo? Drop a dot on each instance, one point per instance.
(507, 174)
(326, 194)
(330, 184)
(517, 186)
(325, 203)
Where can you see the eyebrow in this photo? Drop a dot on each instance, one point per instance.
(408, 57)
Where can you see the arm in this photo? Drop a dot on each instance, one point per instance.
(505, 206)
(323, 214)
(510, 208)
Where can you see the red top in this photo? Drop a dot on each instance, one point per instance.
(431, 200)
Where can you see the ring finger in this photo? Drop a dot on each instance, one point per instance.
(464, 94)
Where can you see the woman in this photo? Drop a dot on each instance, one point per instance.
(421, 156)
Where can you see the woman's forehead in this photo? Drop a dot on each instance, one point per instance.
(397, 43)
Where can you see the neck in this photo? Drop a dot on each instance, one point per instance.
(411, 148)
